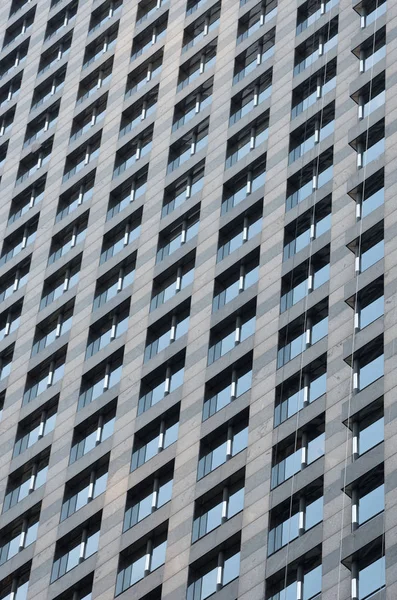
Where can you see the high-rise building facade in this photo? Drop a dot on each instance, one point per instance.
(198, 299)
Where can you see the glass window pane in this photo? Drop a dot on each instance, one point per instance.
(314, 513)
(208, 584)
(236, 503)
(231, 569)
(158, 556)
(372, 371)
(371, 435)
(371, 504)
(371, 578)
(312, 583)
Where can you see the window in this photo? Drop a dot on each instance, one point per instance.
(127, 192)
(107, 329)
(254, 56)
(138, 112)
(68, 238)
(44, 376)
(10, 91)
(144, 74)
(15, 587)
(120, 236)
(19, 240)
(235, 280)
(255, 18)
(46, 90)
(148, 496)
(370, 145)
(181, 231)
(316, 45)
(53, 327)
(26, 480)
(146, 8)
(369, 195)
(3, 153)
(370, 11)
(55, 53)
(149, 36)
(312, 132)
(371, 96)
(26, 200)
(313, 89)
(231, 332)
(238, 188)
(34, 161)
(295, 516)
(369, 248)
(103, 43)
(9, 320)
(140, 560)
(154, 438)
(368, 570)
(197, 65)
(107, 10)
(75, 196)
(246, 140)
(14, 59)
(367, 497)
(218, 506)
(308, 227)
(201, 27)
(166, 331)
(82, 590)
(14, 280)
(82, 157)
(372, 50)
(214, 571)
(305, 574)
(6, 362)
(300, 390)
(76, 547)
(35, 427)
(62, 281)
(193, 104)
(368, 428)
(61, 19)
(310, 12)
(136, 149)
(302, 333)
(19, 534)
(95, 81)
(310, 178)
(191, 143)
(222, 444)
(93, 431)
(297, 451)
(239, 231)
(114, 281)
(6, 121)
(305, 278)
(89, 117)
(83, 488)
(251, 96)
(368, 304)
(39, 126)
(183, 189)
(160, 383)
(223, 389)
(173, 281)
(100, 379)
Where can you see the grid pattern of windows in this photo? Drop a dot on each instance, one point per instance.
(197, 291)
